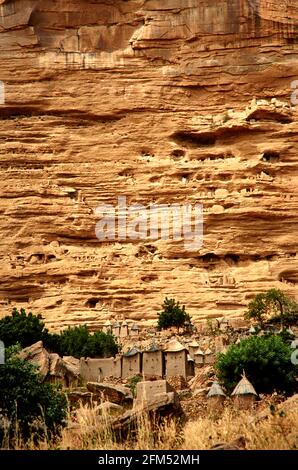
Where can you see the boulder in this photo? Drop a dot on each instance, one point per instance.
(38, 355)
(147, 391)
(72, 365)
(160, 406)
(113, 393)
(109, 408)
(51, 365)
(56, 370)
(80, 396)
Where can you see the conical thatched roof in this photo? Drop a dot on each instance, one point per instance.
(116, 325)
(216, 391)
(199, 353)
(108, 323)
(208, 351)
(194, 344)
(132, 352)
(244, 387)
(174, 346)
(153, 348)
(135, 327)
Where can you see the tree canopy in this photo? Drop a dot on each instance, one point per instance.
(172, 315)
(273, 306)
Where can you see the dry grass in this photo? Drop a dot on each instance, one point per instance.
(275, 432)
(92, 430)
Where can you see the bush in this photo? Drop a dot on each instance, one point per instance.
(172, 315)
(25, 330)
(273, 306)
(78, 342)
(266, 361)
(22, 328)
(132, 384)
(26, 402)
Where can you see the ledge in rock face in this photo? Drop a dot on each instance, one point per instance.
(161, 102)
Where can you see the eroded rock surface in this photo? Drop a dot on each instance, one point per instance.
(163, 101)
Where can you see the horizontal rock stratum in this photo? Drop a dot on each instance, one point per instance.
(164, 102)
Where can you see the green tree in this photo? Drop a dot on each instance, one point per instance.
(172, 315)
(27, 403)
(273, 306)
(22, 328)
(78, 342)
(266, 361)
(25, 330)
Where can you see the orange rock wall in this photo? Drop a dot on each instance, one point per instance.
(163, 101)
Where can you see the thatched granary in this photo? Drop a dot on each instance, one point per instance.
(193, 348)
(153, 362)
(244, 394)
(216, 398)
(176, 359)
(199, 358)
(132, 363)
(107, 327)
(124, 329)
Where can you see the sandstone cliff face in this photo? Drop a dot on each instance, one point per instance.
(153, 100)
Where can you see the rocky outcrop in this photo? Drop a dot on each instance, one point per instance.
(155, 402)
(162, 101)
(39, 356)
(50, 365)
(110, 392)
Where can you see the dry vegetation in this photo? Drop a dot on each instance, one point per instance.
(91, 430)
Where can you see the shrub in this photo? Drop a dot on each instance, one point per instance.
(273, 306)
(78, 342)
(172, 315)
(266, 361)
(132, 384)
(22, 328)
(26, 402)
(25, 330)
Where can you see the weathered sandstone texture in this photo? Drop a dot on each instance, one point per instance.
(161, 101)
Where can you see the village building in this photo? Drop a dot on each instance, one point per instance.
(208, 357)
(116, 329)
(153, 362)
(148, 391)
(216, 398)
(134, 330)
(190, 366)
(193, 347)
(124, 329)
(176, 359)
(97, 369)
(199, 358)
(244, 394)
(131, 363)
(107, 327)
